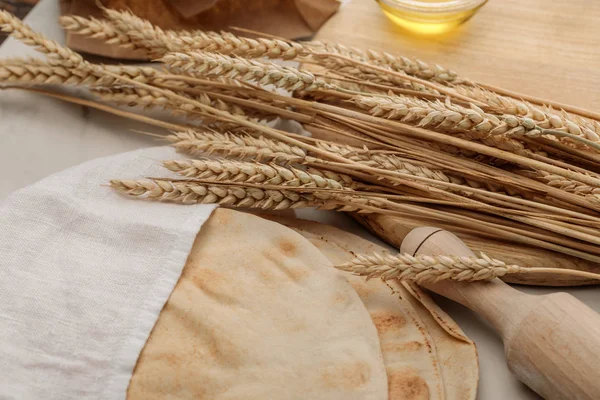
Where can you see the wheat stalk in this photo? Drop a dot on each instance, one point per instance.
(159, 42)
(432, 269)
(57, 54)
(199, 193)
(95, 29)
(446, 117)
(544, 117)
(252, 172)
(136, 97)
(591, 193)
(265, 73)
(241, 146)
(424, 268)
(397, 63)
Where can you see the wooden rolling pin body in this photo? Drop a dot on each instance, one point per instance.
(552, 342)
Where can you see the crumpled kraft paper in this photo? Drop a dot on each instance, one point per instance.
(290, 19)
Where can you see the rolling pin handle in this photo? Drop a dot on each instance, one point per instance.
(552, 342)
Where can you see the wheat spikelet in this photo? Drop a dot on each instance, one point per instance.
(251, 172)
(240, 146)
(412, 67)
(95, 29)
(424, 268)
(198, 193)
(266, 73)
(57, 54)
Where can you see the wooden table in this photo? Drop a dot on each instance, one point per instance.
(543, 48)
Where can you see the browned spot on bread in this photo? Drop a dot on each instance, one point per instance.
(281, 261)
(224, 351)
(405, 384)
(298, 273)
(347, 375)
(173, 360)
(214, 284)
(288, 247)
(401, 347)
(385, 321)
(206, 278)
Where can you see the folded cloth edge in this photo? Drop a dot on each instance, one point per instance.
(84, 185)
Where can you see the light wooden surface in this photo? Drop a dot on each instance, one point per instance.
(540, 47)
(552, 342)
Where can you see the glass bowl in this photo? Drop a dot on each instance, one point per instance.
(430, 16)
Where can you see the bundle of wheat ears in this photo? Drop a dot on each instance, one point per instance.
(388, 135)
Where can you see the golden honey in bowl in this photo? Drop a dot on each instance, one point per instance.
(430, 16)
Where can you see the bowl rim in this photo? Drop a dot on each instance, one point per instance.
(428, 7)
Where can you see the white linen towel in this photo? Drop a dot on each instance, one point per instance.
(84, 273)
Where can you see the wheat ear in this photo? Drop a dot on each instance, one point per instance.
(95, 29)
(266, 73)
(250, 172)
(240, 146)
(199, 193)
(397, 63)
(32, 71)
(568, 185)
(431, 269)
(544, 117)
(57, 54)
(423, 268)
(136, 97)
(159, 42)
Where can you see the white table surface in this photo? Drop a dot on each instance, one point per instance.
(40, 136)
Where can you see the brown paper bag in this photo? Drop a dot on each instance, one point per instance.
(286, 18)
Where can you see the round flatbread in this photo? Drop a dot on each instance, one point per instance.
(427, 356)
(259, 313)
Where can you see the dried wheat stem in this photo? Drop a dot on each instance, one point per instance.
(95, 29)
(266, 73)
(412, 67)
(198, 193)
(250, 172)
(431, 269)
(241, 146)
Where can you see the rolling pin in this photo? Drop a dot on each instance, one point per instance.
(551, 342)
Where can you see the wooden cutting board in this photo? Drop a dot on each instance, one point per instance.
(544, 48)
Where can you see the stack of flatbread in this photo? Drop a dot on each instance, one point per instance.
(259, 313)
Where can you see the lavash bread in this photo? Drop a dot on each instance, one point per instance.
(427, 356)
(259, 313)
